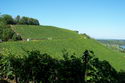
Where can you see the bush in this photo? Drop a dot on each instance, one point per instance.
(16, 37)
(37, 67)
(6, 32)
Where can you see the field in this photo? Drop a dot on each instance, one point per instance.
(77, 46)
(44, 32)
(61, 39)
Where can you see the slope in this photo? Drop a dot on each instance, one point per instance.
(73, 42)
(44, 32)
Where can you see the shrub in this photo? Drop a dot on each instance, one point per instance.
(16, 37)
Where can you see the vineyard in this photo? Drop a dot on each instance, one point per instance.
(77, 46)
(44, 32)
(52, 42)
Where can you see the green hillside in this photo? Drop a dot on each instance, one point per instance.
(44, 32)
(61, 39)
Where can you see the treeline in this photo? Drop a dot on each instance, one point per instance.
(8, 19)
(38, 67)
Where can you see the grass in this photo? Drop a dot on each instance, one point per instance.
(44, 32)
(78, 46)
(53, 40)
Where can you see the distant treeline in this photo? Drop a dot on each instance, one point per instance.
(8, 19)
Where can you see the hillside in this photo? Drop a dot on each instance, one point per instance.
(44, 32)
(61, 39)
(113, 42)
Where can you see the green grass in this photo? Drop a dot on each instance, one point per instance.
(61, 39)
(44, 32)
(55, 47)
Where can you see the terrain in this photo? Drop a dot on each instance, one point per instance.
(53, 40)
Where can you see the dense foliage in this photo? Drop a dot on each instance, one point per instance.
(8, 19)
(36, 67)
(6, 33)
(26, 21)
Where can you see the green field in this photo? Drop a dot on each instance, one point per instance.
(44, 32)
(61, 39)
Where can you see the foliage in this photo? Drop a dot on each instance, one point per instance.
(55, 47)
(16, 37)
(6, 33)
(8, 19)
(17, 19)
(27, 21)
(37, 67)
(121, 76)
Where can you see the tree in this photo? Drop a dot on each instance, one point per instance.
(8, 19)
(36, 22)
(17, 19)
(6, 32)
(70, 69)
(24, 20)
(96, 70)
(86, 59)
(28, 21)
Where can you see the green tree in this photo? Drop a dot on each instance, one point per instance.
(17, 19)
(70, 69)
(28, 21)
(36, 22)
(98, 71)
(24, 20)
(6, 32)
(8, 19)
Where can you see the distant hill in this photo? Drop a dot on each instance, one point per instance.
(54, 40)
(113, 41)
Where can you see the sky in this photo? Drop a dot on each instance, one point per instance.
(100, 19)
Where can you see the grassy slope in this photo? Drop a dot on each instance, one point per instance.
(54, 47)
(44, 32)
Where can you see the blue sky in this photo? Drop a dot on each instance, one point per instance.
(103, 19)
